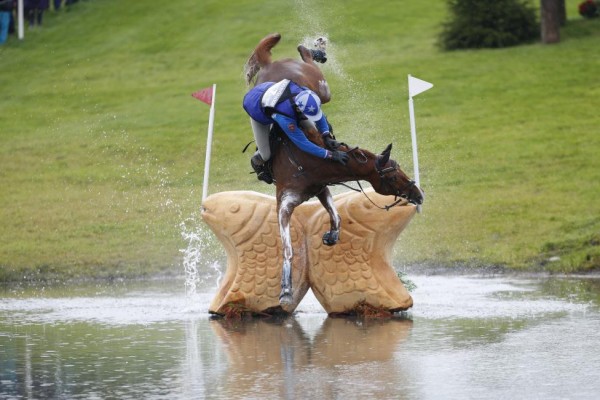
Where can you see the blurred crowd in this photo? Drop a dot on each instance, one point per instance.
(33, 13)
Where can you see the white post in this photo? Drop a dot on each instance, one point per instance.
(20, 20)
(415, 86)
(209, 143)
(413, 136)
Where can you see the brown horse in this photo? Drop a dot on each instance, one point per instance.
(300, 176)
(259, 68)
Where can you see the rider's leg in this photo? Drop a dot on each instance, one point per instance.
(261, 137)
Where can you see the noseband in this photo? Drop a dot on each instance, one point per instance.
(385, 180)
(389, 181)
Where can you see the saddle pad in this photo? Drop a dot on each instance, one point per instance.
(273, 94)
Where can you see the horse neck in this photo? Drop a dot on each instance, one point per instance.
(290, 160)
(361, 166)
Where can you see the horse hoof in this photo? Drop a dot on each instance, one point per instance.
(285, 300)
(330, 238)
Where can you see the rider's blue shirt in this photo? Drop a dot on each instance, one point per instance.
(284, 115)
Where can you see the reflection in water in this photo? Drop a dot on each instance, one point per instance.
(277, 355)
(467, 338)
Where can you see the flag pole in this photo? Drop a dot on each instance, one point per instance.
(209, 143)
(20, 20)
(413, 136)
(415, 86)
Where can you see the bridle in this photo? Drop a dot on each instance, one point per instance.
(398, 196)
(361, 158)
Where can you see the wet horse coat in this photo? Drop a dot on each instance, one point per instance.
(300, 176)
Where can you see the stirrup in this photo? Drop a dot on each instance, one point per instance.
(265, 176)
(260, 167)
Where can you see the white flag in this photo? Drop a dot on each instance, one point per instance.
(416, 86)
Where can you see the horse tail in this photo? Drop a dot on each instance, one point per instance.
(260, 57)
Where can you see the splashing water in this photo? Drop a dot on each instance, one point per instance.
(197, 266)
(350, 93)
(363, 127)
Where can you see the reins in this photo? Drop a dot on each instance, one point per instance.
(381, 173)
(291, 158)
(361, 158)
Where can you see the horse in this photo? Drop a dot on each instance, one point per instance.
(299, 176)
(260, 68)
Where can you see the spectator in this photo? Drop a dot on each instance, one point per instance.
(6, 7)
(57, 4)
(34, 9)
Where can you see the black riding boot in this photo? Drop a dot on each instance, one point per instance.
(260, 167)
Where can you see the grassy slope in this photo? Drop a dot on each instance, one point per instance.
(102, 146)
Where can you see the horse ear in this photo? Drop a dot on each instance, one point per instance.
(385, 155)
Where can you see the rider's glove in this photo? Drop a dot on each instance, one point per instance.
(330, 141)
(338, 156)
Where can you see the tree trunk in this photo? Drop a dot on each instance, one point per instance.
(550, 21)
(562, 12)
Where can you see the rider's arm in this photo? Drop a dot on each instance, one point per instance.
(291, 129)
(323, 125)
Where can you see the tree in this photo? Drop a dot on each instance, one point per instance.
(562, 12)
(481, 24)
(552, 11)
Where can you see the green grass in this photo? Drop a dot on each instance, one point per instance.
(102, 146)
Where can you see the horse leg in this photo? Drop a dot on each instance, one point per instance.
(330, 238)
(287, 202)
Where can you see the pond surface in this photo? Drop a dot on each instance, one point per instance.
(465, 338)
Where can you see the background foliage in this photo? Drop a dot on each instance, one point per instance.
(476, 24)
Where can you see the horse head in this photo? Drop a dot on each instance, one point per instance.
(392, 180)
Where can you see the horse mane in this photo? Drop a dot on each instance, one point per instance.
(281, 145)
(260, 57)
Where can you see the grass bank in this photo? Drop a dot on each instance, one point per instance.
(102, 146)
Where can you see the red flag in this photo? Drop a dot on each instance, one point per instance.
(204, 95)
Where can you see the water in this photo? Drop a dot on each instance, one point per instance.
(198, 267)
(466, 337)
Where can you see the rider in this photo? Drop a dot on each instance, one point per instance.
(287, 104)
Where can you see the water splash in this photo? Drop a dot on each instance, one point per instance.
(349, 93)
(199, 267)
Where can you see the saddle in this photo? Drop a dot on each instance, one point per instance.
(277, 137)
